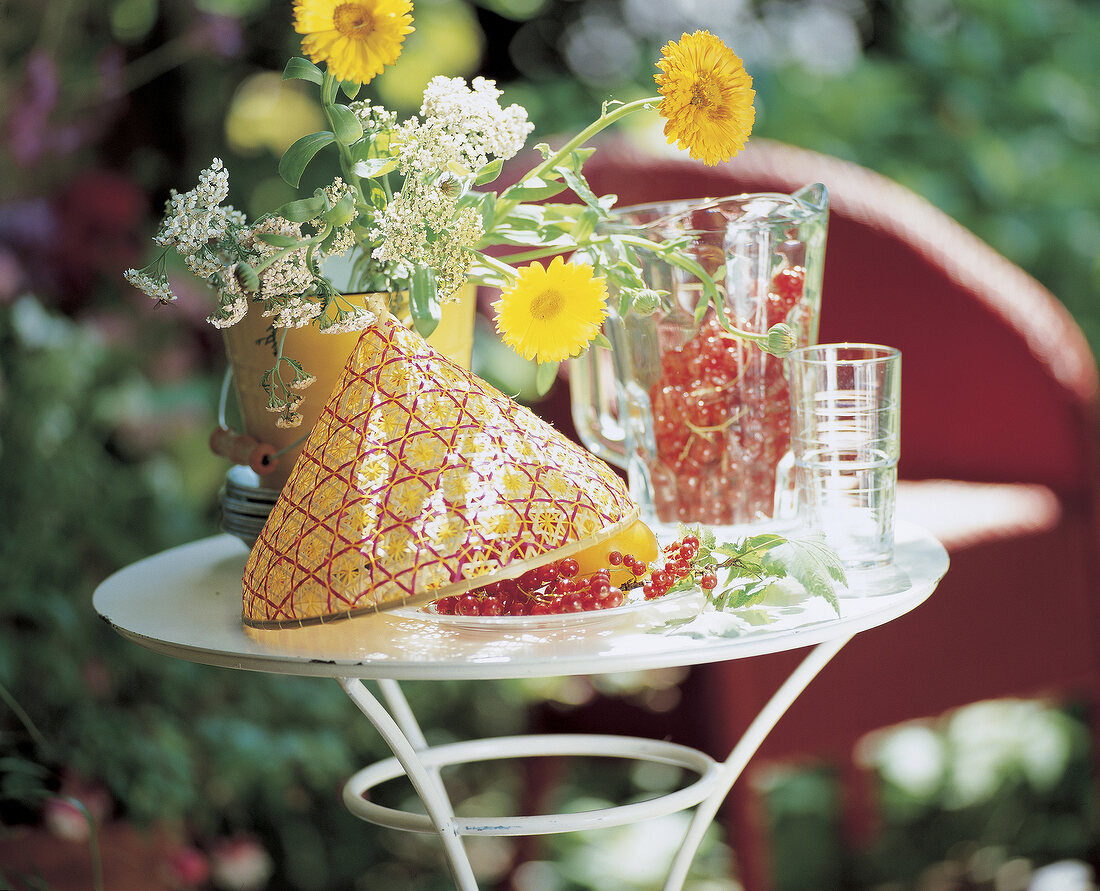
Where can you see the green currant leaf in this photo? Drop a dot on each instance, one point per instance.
(749, 594)
(811, 563)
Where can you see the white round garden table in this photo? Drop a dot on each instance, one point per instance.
(186, 603)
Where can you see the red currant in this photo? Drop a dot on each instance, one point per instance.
(490, 606)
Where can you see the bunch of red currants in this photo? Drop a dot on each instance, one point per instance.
(556, 587)
(721, 419)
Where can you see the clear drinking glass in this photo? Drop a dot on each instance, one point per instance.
(698, 418)
(840, 477)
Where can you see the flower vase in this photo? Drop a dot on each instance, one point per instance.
(251, 347)
(697, 417)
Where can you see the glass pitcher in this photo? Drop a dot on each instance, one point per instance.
(697, 417)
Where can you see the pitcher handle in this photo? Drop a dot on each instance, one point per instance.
(594, 411)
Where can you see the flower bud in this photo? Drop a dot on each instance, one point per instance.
(248, 277)
(647, 301)
(781, 340)
(451, 188)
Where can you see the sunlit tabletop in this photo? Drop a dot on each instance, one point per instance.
(186, 602)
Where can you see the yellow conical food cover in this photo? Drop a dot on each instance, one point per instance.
(421, 480)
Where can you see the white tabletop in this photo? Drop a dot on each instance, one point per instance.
(186, 602)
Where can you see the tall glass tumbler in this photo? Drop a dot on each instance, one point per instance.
(845, 445)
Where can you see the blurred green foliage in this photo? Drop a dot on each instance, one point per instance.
(989, 108)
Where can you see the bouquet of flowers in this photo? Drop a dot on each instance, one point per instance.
(413, 214)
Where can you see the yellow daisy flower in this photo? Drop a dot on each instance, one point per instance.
(552, 313)
(356, 40)
(707, 97)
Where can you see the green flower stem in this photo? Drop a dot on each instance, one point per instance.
(507, 271)
(93, 843)
(537, 254)
(328, 98)
(279, 358)
(605, 120)
(289, 249)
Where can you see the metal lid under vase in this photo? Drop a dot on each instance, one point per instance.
(245, 503)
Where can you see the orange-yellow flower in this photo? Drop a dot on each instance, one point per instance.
(356, 40)
(707, 97)
(552, 313)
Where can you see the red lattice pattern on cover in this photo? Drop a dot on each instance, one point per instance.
(420, 480)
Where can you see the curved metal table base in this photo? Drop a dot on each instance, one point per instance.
(414, 758)
(185, 603)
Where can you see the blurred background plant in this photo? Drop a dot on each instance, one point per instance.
(228, 780)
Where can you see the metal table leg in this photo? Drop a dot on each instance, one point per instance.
(407, 743)
(746, 747)
(399, 728)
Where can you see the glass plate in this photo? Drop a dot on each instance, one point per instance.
(636, 606)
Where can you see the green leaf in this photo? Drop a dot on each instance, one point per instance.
(350, 88)
(527, 215)
(601, 340)
(303, 69)
(545, 375)
(579, 185)
(345, 123)
(749, 594)
(812, 563)
(763, 542)
(341, 213)
(586, 224)
(701, 307)
(373, 167)
(302, 210)
(423, 303)
(489, 172)
(296, 158)
(534, 189)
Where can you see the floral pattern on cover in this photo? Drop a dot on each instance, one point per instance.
(421, 480)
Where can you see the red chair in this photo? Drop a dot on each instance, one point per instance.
(999, 451)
